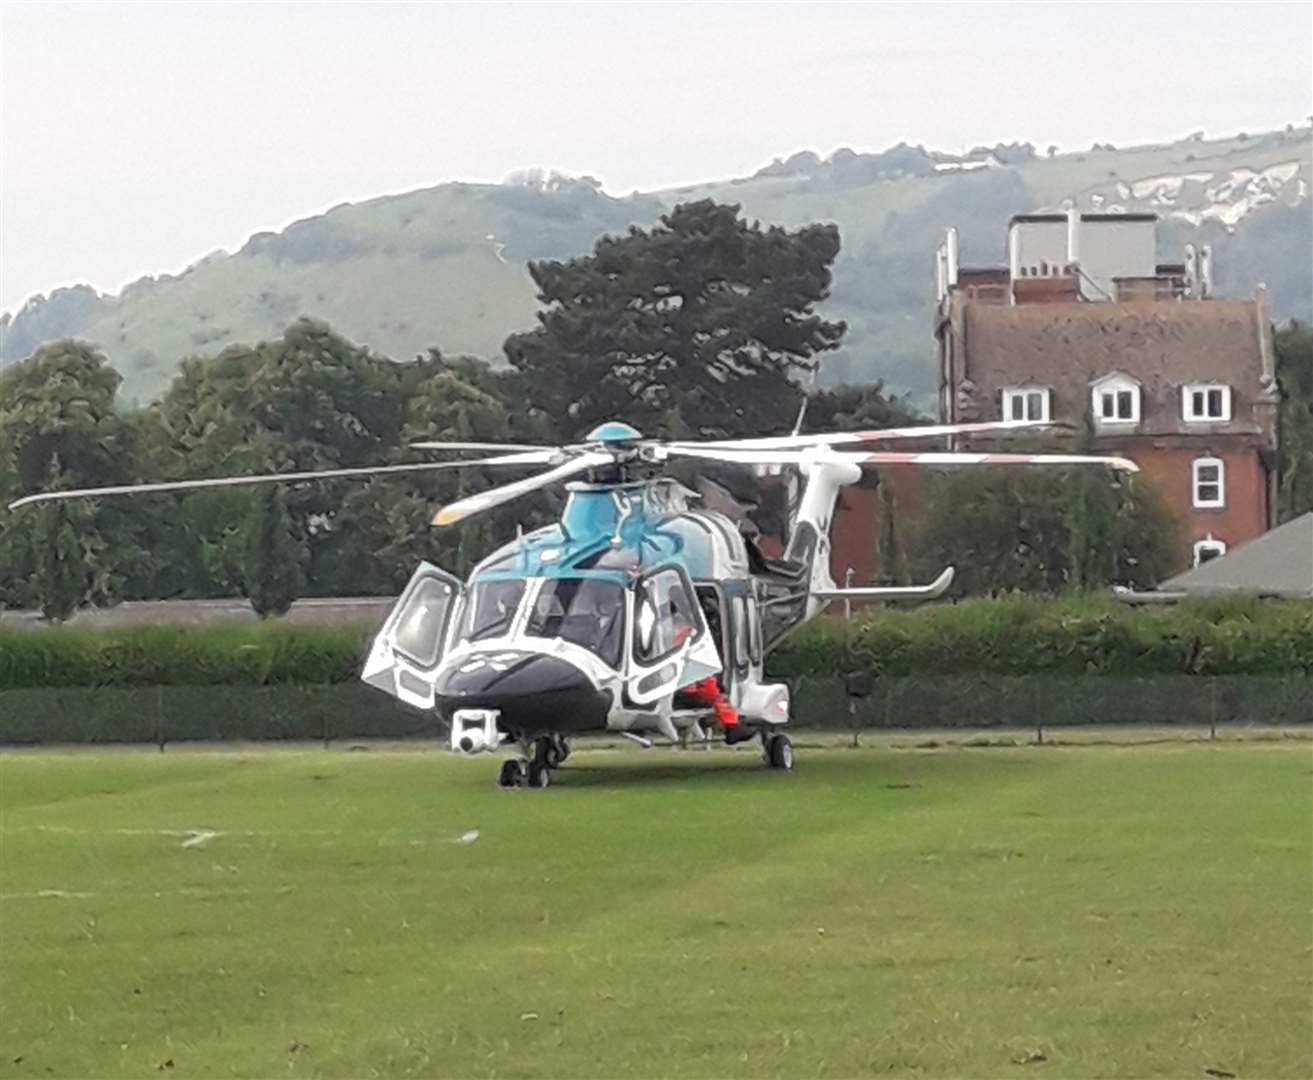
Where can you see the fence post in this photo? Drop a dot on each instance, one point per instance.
(1212, 708)
(159, 717)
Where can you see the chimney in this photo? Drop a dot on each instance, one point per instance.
(1073, 236)
(1191, 272)
(1205, 271)
(950, 244)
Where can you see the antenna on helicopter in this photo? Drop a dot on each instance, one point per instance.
(806, 399)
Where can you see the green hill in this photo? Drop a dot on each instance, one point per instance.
(445, 266)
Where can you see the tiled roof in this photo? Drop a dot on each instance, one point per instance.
(1162, 344)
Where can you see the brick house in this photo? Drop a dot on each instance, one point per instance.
(1083, 319)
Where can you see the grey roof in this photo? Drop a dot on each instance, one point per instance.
(1278, 563)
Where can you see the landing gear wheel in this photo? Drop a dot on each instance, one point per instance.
(511, 774)
(562, 750)
(779, 752)
(540, 776)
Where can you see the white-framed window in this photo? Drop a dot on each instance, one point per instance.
(1208, 483)
(1116, 400)
(1205, 402)
(1208, 549)
(1026, 403)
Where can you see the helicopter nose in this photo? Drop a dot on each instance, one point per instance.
(531, 691)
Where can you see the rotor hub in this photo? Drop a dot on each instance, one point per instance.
(614, 434)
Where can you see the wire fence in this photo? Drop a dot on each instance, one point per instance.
(1037, 702)
(176, 714)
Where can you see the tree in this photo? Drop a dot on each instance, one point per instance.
(271, 556)
(1294, 356)
(1013, 530)
(310, 400)
(61, 567)
(59, 428)
(461, 400)
(853, 408)
(695, 325)
(1092, 511)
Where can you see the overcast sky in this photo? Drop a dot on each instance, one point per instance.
(137, 137)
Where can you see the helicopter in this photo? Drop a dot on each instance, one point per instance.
(635, 614)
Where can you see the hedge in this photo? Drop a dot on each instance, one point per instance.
(236, 654)
(1012, 636)
(1069, 636)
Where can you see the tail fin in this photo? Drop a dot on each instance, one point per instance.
(809, 539)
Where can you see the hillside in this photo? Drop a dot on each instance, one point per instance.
(445, 266)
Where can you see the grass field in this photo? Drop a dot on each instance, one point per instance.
(1073, 912)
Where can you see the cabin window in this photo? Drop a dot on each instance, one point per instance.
(1205, 402)
(491, 609)
(740, 632)
(1026, 403)
(1208, 483)
(754, 632)
(588, 612)
(664, 616)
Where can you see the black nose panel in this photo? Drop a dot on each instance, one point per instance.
(531, 691)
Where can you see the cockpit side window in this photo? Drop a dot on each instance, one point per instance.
(588, 612)
(490, 609)
(664, 617)
(422, 618)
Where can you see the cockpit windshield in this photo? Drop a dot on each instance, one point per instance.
(588, 612)
(490, 609)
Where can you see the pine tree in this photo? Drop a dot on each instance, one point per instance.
(61, 570)
(271, 556)
(705, 313)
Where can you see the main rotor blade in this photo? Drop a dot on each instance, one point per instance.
(458, 511)
(535, 458)
(838, 438)
(891, 457)
(482, 446)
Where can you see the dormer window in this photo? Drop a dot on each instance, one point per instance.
(1116, 400)
(1206, 403)
(1207, 550)
(1026, 403)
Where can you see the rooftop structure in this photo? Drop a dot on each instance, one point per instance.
(1084, 321)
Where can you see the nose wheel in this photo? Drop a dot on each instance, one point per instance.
(512, 774)
(545, 753)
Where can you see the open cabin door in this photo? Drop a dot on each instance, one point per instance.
(408, 649)
(671, 646)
